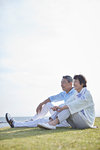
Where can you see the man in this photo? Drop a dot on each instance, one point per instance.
(46, 106)
(79, 111)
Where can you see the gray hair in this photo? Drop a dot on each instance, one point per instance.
(68, 78)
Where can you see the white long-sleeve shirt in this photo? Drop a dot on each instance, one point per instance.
(83, 101)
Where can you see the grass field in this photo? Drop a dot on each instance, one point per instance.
(40, 139)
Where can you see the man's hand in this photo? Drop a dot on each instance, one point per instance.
(38, 110)
(55, 108)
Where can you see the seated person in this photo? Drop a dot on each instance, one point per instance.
(45, 106)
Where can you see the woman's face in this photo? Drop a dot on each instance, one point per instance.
(77, 85)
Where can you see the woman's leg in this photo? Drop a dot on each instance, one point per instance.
(62, 116)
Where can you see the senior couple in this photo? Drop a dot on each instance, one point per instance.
(76, 111)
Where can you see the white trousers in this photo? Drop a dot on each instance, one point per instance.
(40, 118)
(77, 120)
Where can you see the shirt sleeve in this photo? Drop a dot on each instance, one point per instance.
(80, 103)
(58, 97)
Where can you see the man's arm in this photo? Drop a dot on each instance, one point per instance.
(38, 109)
(54, 98)
(57, 98)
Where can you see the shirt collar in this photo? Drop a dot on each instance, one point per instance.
(71, 91)
(82, 92)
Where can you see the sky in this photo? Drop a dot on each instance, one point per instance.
(40, 41)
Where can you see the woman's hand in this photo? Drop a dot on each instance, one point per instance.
(62, 108)
(55, 108)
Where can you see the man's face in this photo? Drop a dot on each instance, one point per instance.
(66, 85)
(77, 85)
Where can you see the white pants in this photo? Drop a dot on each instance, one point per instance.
(77, 120)
(40, 118)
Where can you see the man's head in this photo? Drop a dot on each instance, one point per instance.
(79, 82)
(66, 83)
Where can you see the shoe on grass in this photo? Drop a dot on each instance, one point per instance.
(46, 126)
(10, 120)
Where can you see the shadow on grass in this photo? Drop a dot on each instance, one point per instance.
(9, 133)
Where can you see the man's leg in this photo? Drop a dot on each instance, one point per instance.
(38, 118)
(46, 108)
(29, 123)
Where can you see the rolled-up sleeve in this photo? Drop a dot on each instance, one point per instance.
(58, 97)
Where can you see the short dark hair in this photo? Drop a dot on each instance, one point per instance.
(81, 79)
(68, 78)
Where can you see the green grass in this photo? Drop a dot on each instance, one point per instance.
(40, 139)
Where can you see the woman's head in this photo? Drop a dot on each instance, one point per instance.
(79, 82)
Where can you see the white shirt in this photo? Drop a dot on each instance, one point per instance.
(83, 102)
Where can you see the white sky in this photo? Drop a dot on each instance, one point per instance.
(42, 40)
